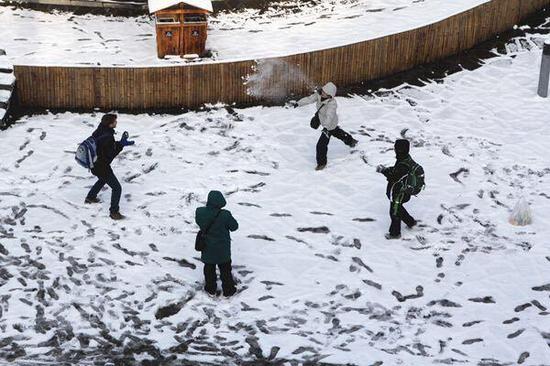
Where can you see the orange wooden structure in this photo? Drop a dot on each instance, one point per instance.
(181, 30)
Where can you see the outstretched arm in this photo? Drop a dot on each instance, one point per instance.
(308, 100)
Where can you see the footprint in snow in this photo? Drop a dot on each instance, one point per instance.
(260, 237)
(515, 334)
(182, 262)
(524, 356)
(376, 285)
(521, 308)
(472, 341)
(445, 303)
(280, 215)
(401, 298)
(247, 204)
(365, 219)
(316, 230)
(457, 173)
(469, 324)
(484, 300)
(321, 213)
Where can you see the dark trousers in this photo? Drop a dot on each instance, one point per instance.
(228, 284)
(398, 213)
(110, 179)
(322, 144)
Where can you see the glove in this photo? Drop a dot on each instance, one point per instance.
(124, 140)
(380, 168)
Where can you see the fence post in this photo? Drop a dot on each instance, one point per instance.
(544, 71)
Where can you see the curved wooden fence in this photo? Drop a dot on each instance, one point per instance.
(137, 88)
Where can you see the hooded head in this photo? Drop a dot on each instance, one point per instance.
(109, 120)
(215, 199)
(402, 147)
(330, 89)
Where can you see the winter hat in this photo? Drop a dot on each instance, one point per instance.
(330, 89)
(402, 147)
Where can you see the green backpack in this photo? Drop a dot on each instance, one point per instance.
(413, 182)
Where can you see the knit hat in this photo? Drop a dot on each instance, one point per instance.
(330, 89)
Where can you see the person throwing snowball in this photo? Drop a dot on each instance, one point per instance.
(107, 150)
(327, 117)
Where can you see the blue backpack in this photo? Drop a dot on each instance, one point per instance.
(86, 153)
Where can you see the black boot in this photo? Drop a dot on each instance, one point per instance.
(116, 216)
(392, 237)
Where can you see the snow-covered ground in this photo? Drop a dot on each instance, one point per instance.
(59, 38)
(318, 280)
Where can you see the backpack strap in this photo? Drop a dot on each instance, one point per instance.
(212, 222)
(397, 201)
(318, 109)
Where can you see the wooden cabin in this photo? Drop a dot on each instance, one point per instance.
(181, 26)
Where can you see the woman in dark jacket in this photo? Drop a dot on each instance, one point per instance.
(107, 150)
(218, 243)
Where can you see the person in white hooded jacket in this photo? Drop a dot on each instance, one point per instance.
(328, 118)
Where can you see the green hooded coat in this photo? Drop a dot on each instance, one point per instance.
(218, 240)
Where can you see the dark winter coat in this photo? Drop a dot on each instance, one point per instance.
(218, 240)
(395, 173)
(107, 149)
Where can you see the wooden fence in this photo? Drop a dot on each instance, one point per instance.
(142, 88)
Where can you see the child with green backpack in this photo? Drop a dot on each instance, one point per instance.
(405, 178)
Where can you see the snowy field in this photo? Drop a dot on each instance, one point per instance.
(58, 38)
(317, 280)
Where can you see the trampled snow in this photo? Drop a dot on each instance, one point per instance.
(318, 280)
(59, 38)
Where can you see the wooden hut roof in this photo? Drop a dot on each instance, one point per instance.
(156, 5)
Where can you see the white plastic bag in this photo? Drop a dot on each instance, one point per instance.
(521, 214)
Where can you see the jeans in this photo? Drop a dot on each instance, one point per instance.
(110, 179)
(228, 284)
(322, 144)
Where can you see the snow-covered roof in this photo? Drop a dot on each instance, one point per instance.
(156, 5)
